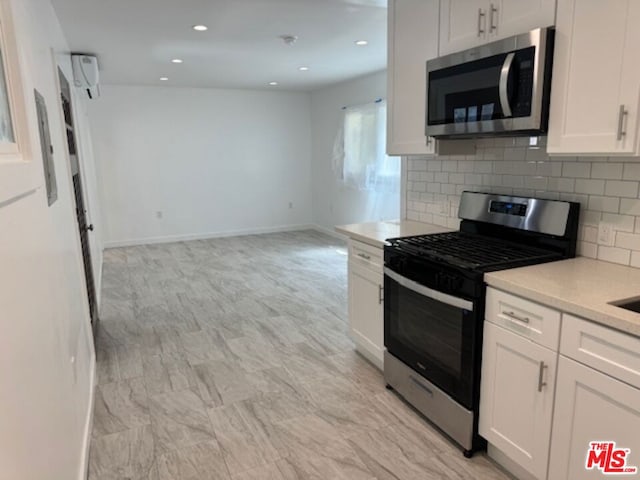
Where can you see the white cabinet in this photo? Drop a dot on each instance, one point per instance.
(366, 313)
(591, 407)
(596, 79)
(469, 23)
(545, 434)
(463, 24)
(597, 397)
(519, 16)
(413, 39)
(516, 398)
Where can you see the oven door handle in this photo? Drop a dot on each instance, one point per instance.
(504, 82)
(428, 292)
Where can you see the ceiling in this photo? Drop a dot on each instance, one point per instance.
(135, 41)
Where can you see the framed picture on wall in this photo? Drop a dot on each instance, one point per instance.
(14, 138)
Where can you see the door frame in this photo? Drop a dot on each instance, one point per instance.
(59, 75)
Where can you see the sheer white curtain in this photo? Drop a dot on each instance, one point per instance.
(359, 157)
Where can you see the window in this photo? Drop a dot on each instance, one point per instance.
(13, 131)
(359, 154)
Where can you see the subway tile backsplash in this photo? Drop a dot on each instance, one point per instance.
(608, 188)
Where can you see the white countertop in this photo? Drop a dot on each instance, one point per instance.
(375, 233)
(580, 286)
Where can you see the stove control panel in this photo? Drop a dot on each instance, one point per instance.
(509, 208)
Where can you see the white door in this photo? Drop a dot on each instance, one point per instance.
(516, 397)
(413, 39)
(596, 76)
(591, 407)
(513, 17)
(366, 314)
(463, 24)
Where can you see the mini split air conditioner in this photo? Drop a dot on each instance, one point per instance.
(86, 75)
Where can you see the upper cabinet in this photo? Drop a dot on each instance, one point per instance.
(519, 16)
(413, 39)
(463, 24)
(596, 79)
(469, 23)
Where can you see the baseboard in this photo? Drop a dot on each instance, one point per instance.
(83, 474)
(330, 232)
(205, 236)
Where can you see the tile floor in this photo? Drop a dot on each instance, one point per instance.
(230, 359)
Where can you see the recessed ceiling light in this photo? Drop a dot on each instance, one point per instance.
(273, 84)
(362, 43)
(303, 69)
(200, 28)
(164, 79)
(289, 39)
(176, 60)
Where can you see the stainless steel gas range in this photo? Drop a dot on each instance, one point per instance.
(435, 293)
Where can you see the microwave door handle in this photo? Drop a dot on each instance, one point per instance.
(428, 292)
(504, 80)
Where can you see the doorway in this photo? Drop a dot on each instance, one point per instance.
(81, 212)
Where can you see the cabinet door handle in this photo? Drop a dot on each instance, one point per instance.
(492, 13)
(365, 256)
(541, 376)
(622, 114)
(380, 294)
(513, 316)
(481, 16)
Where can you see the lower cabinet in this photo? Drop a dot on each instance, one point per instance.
(366, 312)
(542, 408)
(592, 407)
(516, 398)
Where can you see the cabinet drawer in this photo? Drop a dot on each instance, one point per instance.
(365, 255)
(610, 351)
(526, 318)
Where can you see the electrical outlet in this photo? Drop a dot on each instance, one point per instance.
(606, 235)
(159, 215)
(290, 205)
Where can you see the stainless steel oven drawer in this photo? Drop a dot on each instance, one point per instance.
(429, 400)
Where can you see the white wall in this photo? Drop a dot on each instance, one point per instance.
(334, 203)
(46, 351)
(213, 161)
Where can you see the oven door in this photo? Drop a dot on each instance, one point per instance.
(432, 332)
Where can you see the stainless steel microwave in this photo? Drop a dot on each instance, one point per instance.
(501, 88)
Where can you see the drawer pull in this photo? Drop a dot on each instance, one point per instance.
(380, 294)
(365, 256)
(481, 18)
(541, 376)
(622, 114)
(494, 12)
(419, 384)
(513, 316)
